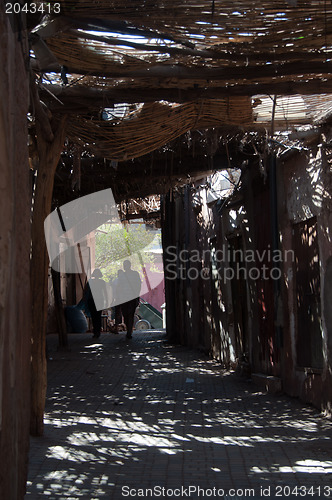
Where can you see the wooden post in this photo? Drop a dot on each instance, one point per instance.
(49, 143)
(15, 238)
(59, 311)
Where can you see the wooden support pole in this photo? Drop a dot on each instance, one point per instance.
(49, 153)
(59, 311)
(230, 74)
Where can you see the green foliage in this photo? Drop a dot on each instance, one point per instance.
(115, 243)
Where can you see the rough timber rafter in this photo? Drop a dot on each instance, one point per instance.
(78, 99)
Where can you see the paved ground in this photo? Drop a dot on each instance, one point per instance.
(140, 419)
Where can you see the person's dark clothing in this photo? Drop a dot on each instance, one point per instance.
(98, 286)
(95, 317)
(128, 310)
(117, 315)
(128, 288)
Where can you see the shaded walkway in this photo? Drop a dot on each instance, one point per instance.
(141, 414)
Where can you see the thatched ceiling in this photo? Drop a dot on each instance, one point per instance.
(187, 43)
(182, 65)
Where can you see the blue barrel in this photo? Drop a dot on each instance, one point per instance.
(76, 321)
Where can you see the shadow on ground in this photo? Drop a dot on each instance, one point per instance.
(126, 416)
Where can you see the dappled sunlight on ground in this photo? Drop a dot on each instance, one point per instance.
(143, 413)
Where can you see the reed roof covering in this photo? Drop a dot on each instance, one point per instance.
(179, 65)
(155, 125)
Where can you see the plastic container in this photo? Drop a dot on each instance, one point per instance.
(76, 321)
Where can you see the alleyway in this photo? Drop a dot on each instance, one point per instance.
(128, 416)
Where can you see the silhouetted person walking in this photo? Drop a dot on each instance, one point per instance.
(116, 289)
(96, 298)
(129, 286)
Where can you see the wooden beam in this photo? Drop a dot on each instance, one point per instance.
(43, 54)
(79, 99)
(160, 185)
(224, 73)
(40, 113)
(133, 179)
